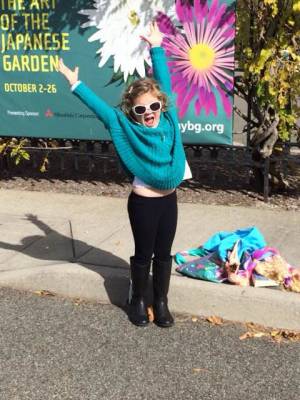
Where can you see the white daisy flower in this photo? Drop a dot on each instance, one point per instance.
(120, 23)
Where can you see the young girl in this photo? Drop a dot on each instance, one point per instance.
(146, 136)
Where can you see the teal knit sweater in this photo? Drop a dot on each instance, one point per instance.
(155, 155)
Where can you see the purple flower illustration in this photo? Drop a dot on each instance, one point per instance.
(201, 51)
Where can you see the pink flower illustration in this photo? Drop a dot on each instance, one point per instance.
(201, 52)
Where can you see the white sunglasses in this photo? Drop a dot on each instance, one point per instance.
(142, 109)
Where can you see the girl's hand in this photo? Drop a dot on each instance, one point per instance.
(71, 76)
(155, 37)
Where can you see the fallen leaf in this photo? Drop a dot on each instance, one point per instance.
(215, 320)
(245, 336)
(44, 293)
(259, 334)
(253, 335)
(194, 319)
(197, 370)
(150, 313)
(290, 335)
(251, 325)
(287, 335)
(275, 333)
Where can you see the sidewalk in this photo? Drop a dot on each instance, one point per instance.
(78, 246)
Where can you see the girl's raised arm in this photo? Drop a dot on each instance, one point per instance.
(159, 61)
(103, 111)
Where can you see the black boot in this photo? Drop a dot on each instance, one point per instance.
(137, 312)
(161, 282)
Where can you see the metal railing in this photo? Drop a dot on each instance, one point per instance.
(101, 154)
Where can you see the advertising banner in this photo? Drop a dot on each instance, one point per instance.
(102, 38)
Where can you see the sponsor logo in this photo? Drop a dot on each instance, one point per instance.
(49, 114)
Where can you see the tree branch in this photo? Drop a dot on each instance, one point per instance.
(240, 113)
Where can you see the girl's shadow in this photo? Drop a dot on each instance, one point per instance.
(115, 274)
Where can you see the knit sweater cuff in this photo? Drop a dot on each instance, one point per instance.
(157, 51)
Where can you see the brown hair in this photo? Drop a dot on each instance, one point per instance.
(138, 88)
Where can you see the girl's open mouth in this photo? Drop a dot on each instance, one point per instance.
(149, 120)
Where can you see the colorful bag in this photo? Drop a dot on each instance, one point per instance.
(250, 239)
(201, 264)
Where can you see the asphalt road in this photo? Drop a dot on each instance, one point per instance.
(53, 348)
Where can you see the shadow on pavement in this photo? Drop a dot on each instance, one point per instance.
(116, 284)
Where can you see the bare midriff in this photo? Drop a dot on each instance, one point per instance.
(151, 192)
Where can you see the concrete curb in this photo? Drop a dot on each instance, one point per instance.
(264, 306)
(110, 286)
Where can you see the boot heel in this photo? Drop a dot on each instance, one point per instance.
(137, 313)
(162, 315)
(161, 283)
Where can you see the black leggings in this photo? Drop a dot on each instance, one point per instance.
(153, 222)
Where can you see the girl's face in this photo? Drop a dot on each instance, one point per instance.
(150, 118)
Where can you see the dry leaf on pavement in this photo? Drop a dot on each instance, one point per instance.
(44, 293)
(214, 320)
(197, 370)
(259, 334)
(150, 314)
(245, 336)
(276, 335)
(253, 335)
(78, 301)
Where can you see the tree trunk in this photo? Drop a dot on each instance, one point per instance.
(263, 142)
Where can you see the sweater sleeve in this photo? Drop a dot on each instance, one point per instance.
(103, 111)
(160, 69)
